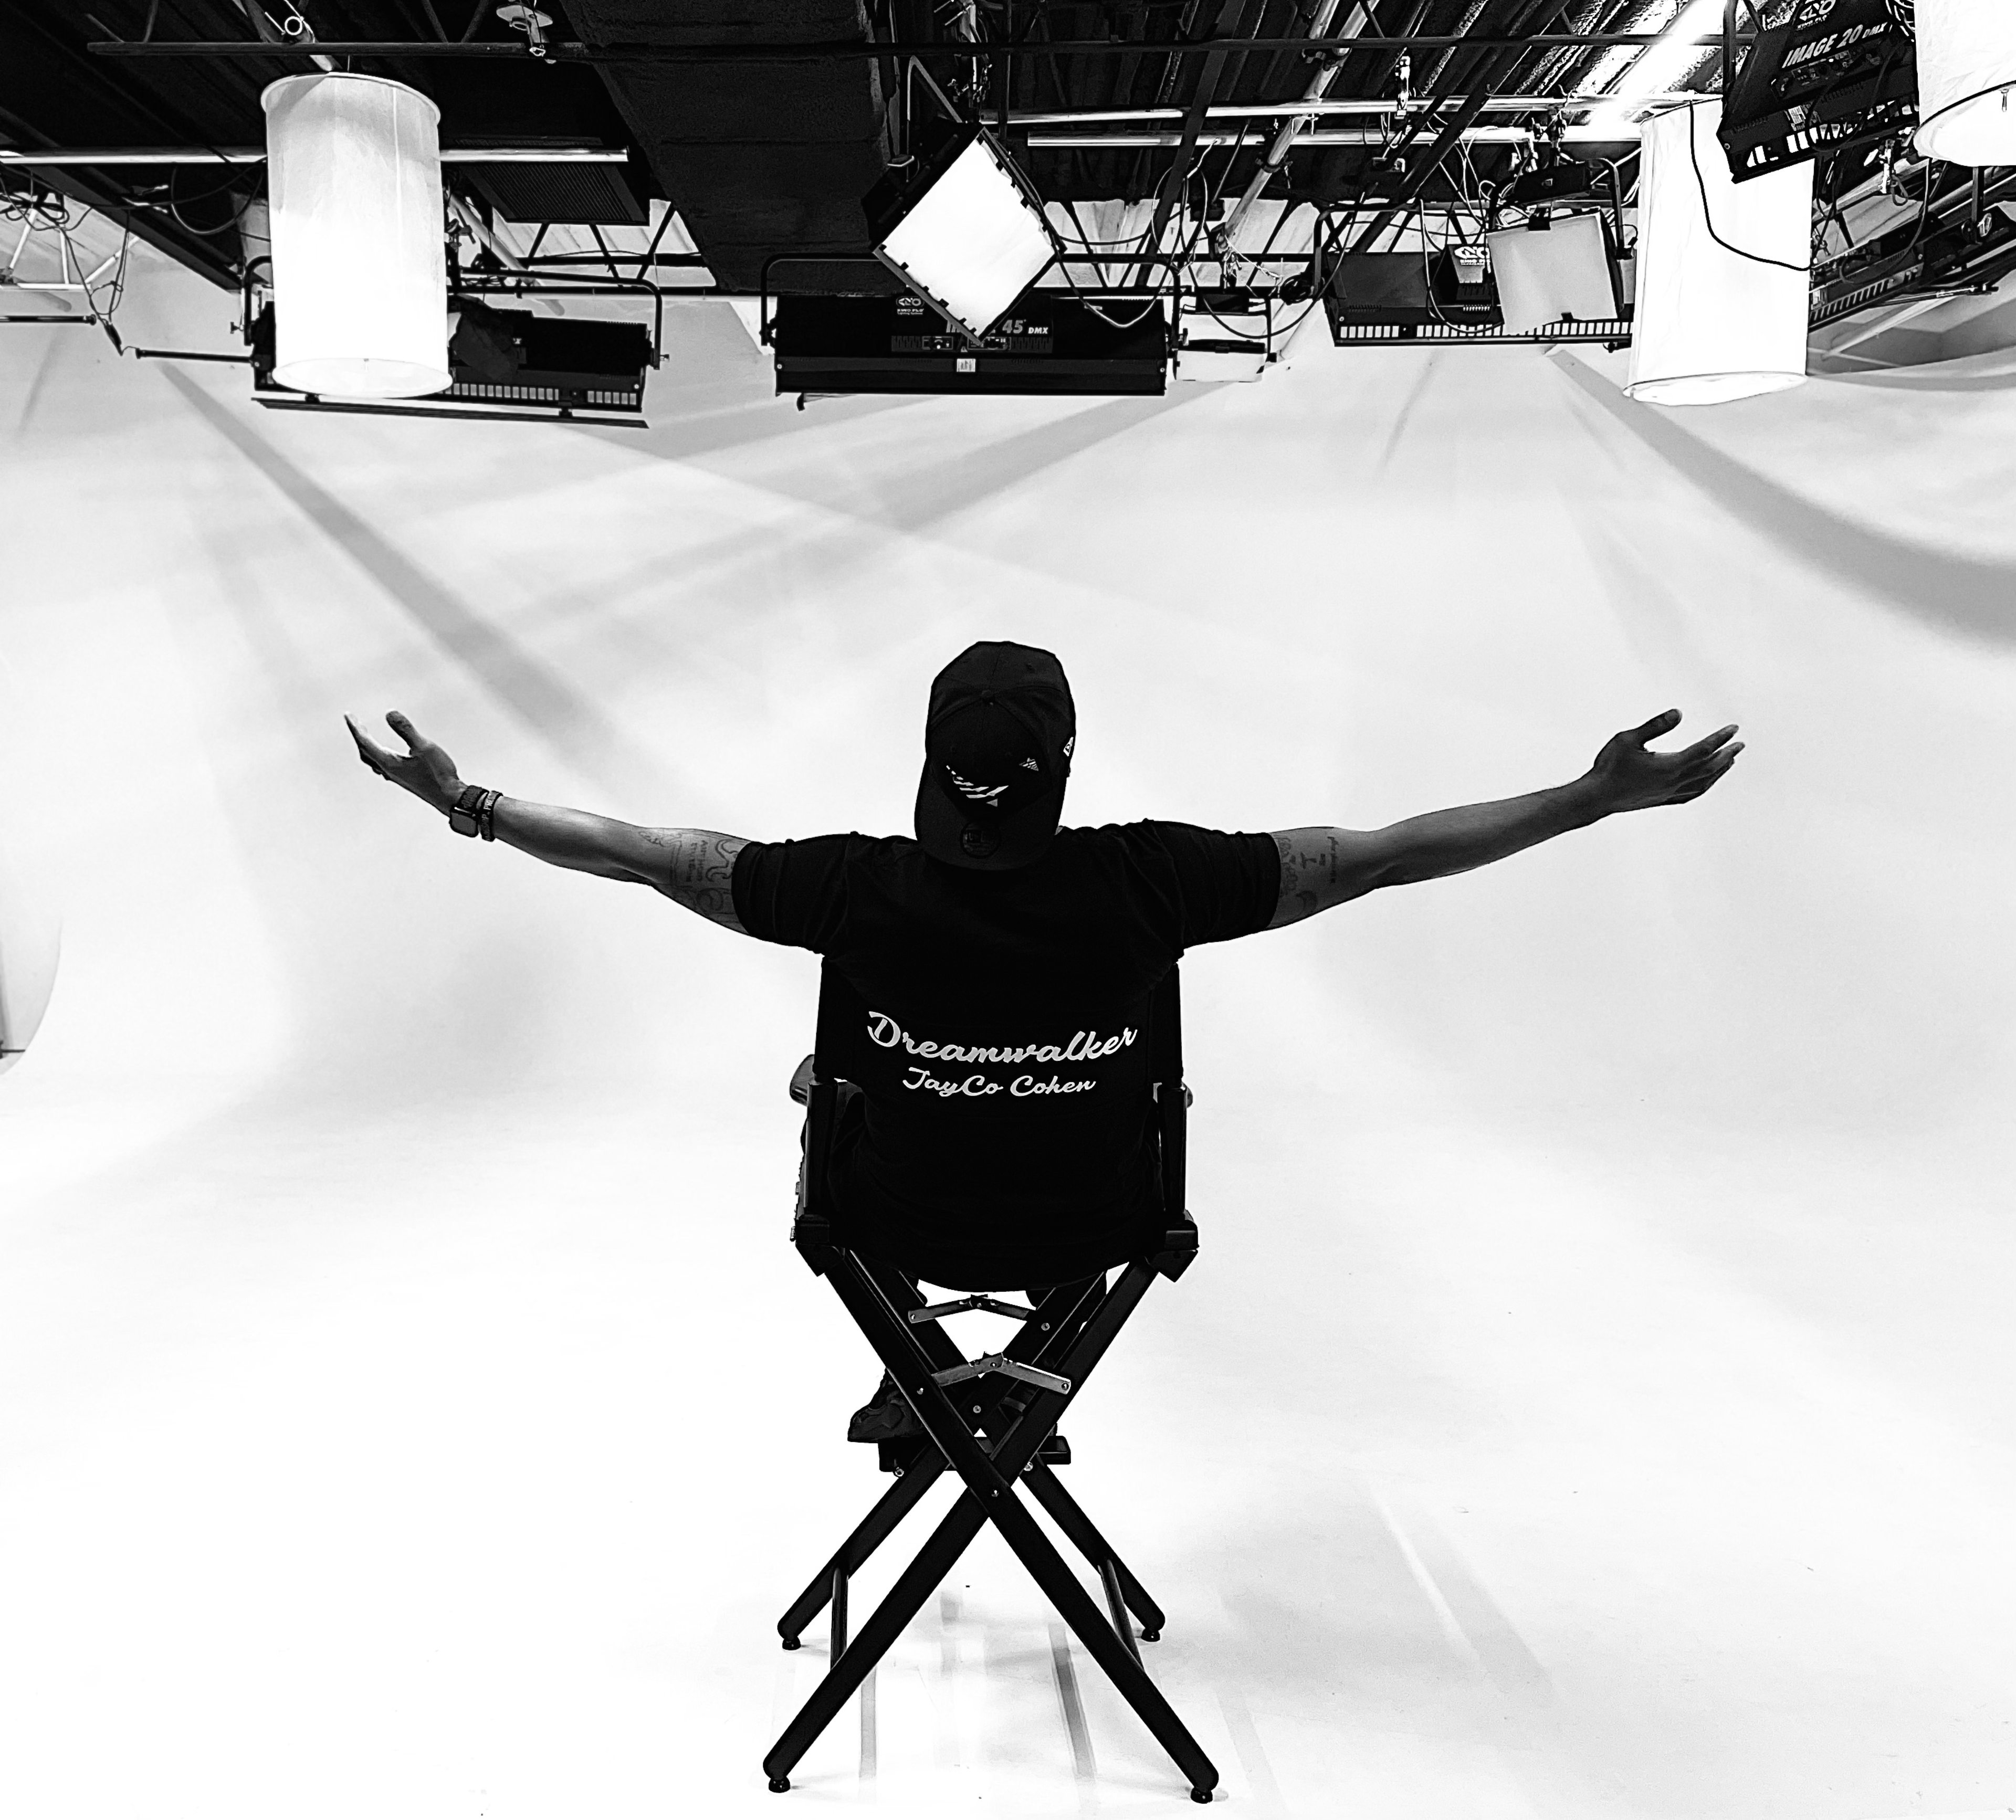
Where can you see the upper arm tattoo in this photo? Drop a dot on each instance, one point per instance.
(1321, 867)
(695, 867)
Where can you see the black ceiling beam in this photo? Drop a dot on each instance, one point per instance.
(851, 48)
(72, 98)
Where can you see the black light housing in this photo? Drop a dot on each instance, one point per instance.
(503, 363)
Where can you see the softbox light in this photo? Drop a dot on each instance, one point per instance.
(973, 242)
(1966, 71)
(1723, 269)
(1562, 272)
(360, 277)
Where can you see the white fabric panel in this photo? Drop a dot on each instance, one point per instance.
(1966, 81)
(1722, 280)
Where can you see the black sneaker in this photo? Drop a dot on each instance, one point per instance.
(887, 1417)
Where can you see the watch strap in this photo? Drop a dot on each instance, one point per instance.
(462, 815)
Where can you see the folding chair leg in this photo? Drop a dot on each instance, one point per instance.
(874, 1529)
(905, 1600)
(1049, 1492)
(1118, 1606)
(989, 1475)
(1074, 1606)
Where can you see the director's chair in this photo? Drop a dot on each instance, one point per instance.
(992, 1419)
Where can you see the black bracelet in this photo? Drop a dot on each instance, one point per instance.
(486, 815)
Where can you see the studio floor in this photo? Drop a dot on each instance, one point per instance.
(352, 1470)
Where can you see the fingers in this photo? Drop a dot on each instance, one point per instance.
(1702, 778)
(404, 728)
(374, 755)
(1701, 748)
(1659, 724)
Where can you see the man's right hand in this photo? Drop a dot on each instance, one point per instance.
(425, 769)
(1626, 776)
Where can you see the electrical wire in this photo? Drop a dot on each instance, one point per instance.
(1708, 217)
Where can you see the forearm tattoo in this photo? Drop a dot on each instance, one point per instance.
(698, 870)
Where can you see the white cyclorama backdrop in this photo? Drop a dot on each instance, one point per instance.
(1593, 1398)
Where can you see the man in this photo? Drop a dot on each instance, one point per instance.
(1004, 964)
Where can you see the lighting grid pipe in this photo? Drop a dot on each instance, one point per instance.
(1277, 153)
(1496, 68)
(1474, 136)
(1306, 108)
(255, 14)
(89, 155)
(845, 50)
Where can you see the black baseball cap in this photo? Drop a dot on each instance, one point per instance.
(998, 740)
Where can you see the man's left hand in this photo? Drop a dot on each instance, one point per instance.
(1625, 775)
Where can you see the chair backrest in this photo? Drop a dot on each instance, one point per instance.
(842, 1043)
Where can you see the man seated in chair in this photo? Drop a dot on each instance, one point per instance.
(1005, 963)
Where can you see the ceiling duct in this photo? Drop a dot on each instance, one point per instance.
(760, 159)
(600, 195)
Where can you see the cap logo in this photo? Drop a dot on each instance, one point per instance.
(989, 794)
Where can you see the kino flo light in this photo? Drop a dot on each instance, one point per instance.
(973, 242)
(1967, 70)
(360, 276)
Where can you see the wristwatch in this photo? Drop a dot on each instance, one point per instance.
(473, 811)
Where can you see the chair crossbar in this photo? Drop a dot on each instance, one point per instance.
(917, 1317)
(1001, 1364)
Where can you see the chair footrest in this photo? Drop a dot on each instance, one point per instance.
(900, 1456)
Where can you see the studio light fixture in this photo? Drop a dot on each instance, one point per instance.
(1723, 268)
(1562, 272)
(360, 277)
(1820, 79)
(1052, 345)
(1966, 81)
(972, 242)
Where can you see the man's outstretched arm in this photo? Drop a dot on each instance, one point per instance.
(692, 866)
(1321, 867)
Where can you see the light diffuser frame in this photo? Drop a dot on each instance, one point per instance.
(973, 241)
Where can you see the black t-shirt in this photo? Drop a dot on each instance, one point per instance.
(1004, 1065)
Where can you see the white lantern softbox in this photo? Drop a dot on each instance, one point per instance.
(1966, 71)
(360, 278)
(973, 242)
(1723, 282)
